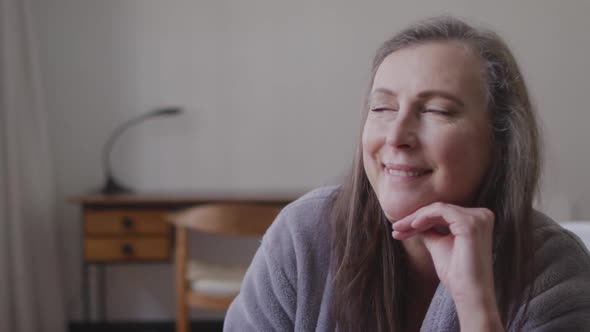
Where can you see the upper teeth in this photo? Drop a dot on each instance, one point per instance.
(404, 173)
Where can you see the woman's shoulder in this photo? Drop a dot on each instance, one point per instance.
(562, 263)
(301, 231)
(561, 289)
(307, 213)
(284, 286)
(313, 200)
(554, 243)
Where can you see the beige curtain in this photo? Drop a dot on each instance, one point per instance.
(31, 294)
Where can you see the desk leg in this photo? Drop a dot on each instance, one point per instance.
(85, 294)
(102, 295)
(85, 274)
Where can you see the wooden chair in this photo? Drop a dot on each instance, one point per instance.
(241, 219)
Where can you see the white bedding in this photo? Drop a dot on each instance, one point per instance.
(581, 228)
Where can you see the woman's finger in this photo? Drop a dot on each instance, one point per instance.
(423, 218)
(403, 235)
(424, 222)
(404, 224)
(443, 218)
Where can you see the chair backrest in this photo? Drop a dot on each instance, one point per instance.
(227, 218)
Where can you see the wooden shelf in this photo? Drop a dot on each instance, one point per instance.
(176, 199)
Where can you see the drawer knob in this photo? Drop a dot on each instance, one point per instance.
(127, 249)
(127, 223)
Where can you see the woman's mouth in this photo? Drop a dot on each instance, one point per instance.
(405, 171)
(395, 172)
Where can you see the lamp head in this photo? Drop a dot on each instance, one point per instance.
(112, 186)
(167, 111)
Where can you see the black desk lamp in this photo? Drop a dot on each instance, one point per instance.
(111, 185)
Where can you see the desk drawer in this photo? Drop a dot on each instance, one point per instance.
(126, 249)
(126, 222)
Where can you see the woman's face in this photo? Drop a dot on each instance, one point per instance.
(427, 137)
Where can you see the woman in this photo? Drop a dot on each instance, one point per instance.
(434, 229)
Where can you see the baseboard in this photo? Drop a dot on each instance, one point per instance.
(152, 326)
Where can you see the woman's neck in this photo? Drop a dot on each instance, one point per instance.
(422, 282)
(421, 266)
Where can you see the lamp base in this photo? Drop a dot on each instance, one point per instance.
(112, 187)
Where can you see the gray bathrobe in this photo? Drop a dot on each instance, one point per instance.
(287, 286)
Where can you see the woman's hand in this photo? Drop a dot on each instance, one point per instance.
(459, 240)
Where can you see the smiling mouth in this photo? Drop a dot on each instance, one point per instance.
(408, 174)
(405, 171)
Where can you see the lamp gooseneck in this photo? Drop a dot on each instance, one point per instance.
(112, 185)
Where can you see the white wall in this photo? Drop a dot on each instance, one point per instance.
(272, 91)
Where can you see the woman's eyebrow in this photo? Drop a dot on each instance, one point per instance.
(383, 91)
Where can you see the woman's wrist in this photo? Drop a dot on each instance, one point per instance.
(481, 320)
(478, 311)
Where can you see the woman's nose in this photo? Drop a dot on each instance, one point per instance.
(403, 131)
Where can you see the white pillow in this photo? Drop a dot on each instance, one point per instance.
(581, 228)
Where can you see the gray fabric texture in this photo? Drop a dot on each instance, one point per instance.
(287, 286)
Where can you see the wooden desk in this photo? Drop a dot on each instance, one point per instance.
(131, 228)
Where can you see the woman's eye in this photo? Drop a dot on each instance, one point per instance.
(382, 109)
(437, 111)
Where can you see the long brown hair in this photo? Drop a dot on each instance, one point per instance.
(367, 265)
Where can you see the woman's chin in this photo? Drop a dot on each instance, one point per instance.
(397, 212)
